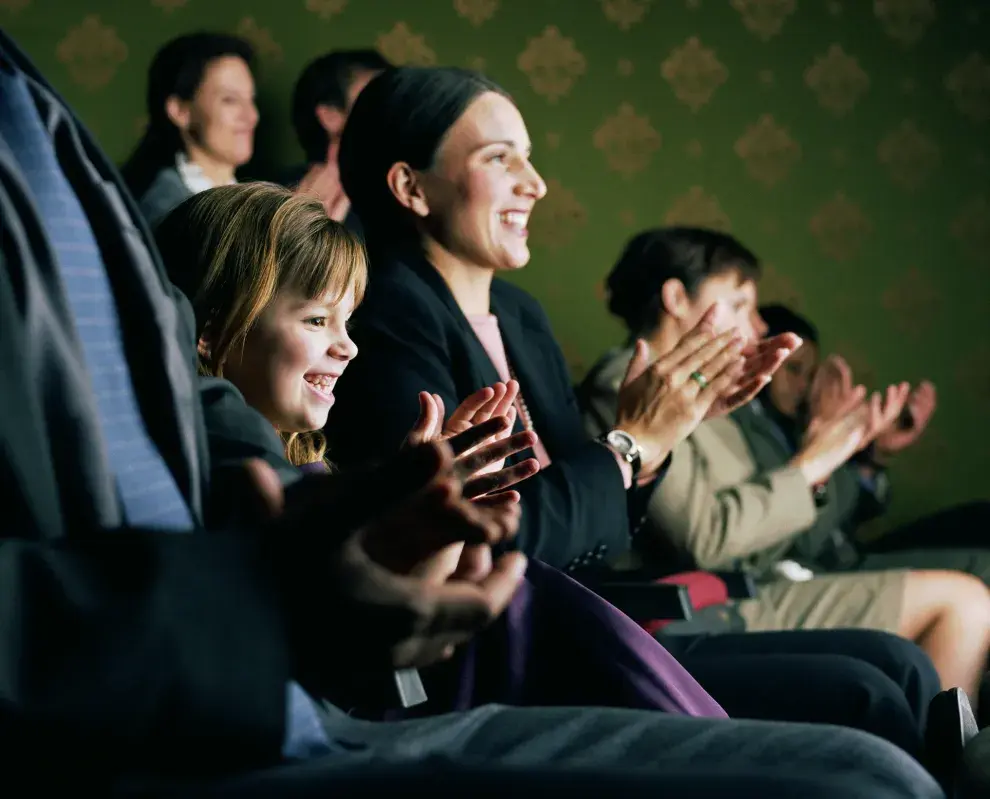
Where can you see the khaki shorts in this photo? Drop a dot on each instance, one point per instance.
(865, 600)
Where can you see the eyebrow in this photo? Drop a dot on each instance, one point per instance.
(528, 149)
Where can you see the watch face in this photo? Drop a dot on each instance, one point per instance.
(623, 442)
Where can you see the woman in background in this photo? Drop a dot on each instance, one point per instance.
(201, 121)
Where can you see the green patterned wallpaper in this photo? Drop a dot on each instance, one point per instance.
(846, 141)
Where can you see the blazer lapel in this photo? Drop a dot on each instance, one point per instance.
(481, 364)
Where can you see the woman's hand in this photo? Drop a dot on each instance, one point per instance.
(762, 359)
(662, 403)
(479, 461)
(830, 442)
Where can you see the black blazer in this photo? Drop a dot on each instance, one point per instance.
(413, 337)
(131, 648)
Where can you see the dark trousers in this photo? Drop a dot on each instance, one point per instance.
(496, 752)
(868, 680)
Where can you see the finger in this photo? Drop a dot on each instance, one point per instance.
(508, 399)
(510, 416)
(782, 341)
(852, 401)
(266, 487)
(495, 451)
(465, 412)
(498, 481)
(487, 411)
(474, 565)
(476, 434)
(502, 582)
(639, 362)
(725, 368)
(744, 392)
(845, 373)
(425, 426)
(499, 499)
(715, 354)
(689, 345)
(764, 365)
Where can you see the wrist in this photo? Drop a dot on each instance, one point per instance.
(627, 449)
(812, 471)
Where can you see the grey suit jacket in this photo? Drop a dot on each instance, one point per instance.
(100, 659)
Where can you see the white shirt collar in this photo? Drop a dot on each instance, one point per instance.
(192, 174)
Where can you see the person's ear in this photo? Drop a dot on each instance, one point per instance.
(674, 299)
(178, 111)
(331, 119)
(406, 186)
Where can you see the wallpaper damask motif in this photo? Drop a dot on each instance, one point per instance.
(846, 141)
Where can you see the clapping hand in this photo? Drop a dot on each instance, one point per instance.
(367, 559)
(920, 406)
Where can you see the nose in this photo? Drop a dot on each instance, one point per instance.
(531, 183)
(759, 326)
(251, 114)
(343, 348)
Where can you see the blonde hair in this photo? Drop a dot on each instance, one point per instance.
(234, 249)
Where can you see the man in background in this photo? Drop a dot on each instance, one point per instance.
(321, 101)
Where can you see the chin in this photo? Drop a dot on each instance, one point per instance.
(515, 261)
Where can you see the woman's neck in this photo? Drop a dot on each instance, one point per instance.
(218, 173)
(471, 285)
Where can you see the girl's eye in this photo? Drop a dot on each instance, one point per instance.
(317, 321)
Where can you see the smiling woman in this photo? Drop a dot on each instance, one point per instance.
(273, 282)
(437, 164)
(201, 121)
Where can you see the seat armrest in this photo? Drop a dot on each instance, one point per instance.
(740, 584)
(646, 601)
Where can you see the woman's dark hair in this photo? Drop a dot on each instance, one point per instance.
(651, 258)
(326, 81)
(403, 114)
(781, 319)
(177, 69)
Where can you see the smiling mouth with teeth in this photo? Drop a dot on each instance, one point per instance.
(516, 220)
(322, 383)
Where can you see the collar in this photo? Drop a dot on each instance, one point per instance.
(192, 174)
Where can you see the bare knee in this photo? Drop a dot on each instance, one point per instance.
(934, 597)
(971, 602)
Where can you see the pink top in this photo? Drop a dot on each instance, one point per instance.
(488, 333)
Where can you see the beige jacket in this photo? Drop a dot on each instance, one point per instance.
(714, 503)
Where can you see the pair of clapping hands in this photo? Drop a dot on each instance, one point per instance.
(843, 420)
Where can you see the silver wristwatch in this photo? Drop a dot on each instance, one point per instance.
(625, 445)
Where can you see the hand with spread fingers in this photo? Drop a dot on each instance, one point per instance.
(382, 570)
(480, 433)
(831, 441)
(883, 411)
(832, 391)
(480, 436)
(911, 423)
(762, 359)
(660, 404)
